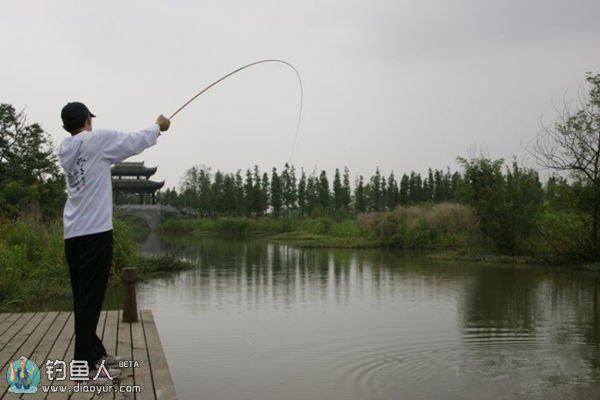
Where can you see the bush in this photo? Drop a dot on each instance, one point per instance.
(320, 226)
(346, 229)
(561, 238)
(507, 205)
(443, 225)
(124, 248)
(30, 256)
(447, 218)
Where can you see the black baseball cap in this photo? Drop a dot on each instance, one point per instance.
(74, 115)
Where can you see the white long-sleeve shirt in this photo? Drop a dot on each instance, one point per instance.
(86, 159)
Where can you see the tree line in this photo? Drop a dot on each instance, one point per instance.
(285, 191)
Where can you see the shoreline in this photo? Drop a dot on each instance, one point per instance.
(308, 240)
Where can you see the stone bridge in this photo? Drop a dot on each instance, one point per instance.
(152, 214)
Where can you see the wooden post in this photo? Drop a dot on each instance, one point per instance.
(130, 313)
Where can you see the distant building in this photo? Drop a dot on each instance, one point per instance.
(132, 185)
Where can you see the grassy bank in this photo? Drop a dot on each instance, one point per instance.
(34, 269)
(441, 226)
(308, 232)
(234, 226)
(444, 231)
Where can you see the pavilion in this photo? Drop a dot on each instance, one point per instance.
(133, 178)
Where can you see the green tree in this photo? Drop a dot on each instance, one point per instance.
(198, 190)
(455, 181)
(506, 206)
(404, 190)
(524, 199)
(428, 186)
(302, 198)
(265, 193)
(312, 196)
(229, 200)
(393, 194)
(346, 190)
(558, 194)
(249, 193)
(338, 194)
(29, 174)
(375, 195)
(415, 188)
(324, 195)
(290, 191)
(572, 145)
(259, 204)
(276, 192)
(205, 194)
(218, 194)
(440, 192)
(240, 208)
(360, 201)
(384, 193)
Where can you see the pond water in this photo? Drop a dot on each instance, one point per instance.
(260, 320)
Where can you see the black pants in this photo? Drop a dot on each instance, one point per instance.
(89, 258)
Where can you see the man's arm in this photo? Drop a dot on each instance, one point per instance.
(117, 146)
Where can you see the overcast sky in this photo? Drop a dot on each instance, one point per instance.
(403, 85)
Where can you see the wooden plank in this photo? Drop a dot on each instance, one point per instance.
(100, 328)
(109, 338)
(124, 349)
(101, 324)
(161, 376)
(56, 352)
(99, 332)
(64, 351)
(142, 376)
(4, 317)
(16, 336)
(8, 322)
(40, 355)
(32, 336)
(110, 332)
(14, 329)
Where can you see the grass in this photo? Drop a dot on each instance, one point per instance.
(137, 228)
(481, 255)
(34, 270)
(313, 240)
(154, 267)
(593, 267)
(304, 232)
(442, 226)
(32, 263)
(234, 226)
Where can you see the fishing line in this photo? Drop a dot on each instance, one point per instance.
(275, 60)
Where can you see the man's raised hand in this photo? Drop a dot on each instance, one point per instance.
(163, 123)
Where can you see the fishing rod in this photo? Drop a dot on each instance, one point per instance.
(270, 60)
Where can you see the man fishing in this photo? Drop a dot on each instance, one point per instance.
(87, 156)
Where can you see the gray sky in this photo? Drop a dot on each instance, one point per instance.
(403, 85)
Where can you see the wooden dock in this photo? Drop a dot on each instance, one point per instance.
(49, 336)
